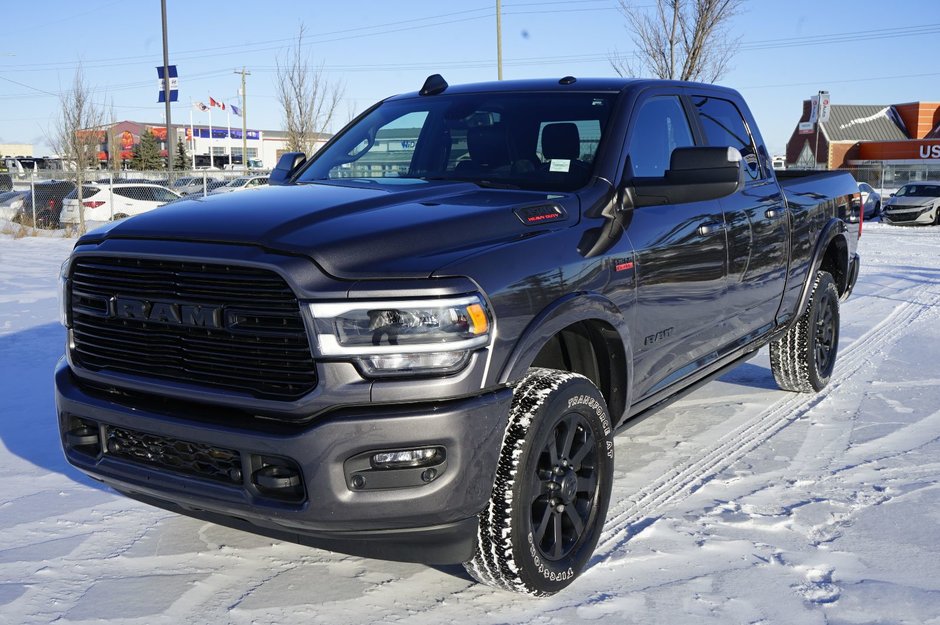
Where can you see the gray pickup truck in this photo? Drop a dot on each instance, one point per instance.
(418, 343)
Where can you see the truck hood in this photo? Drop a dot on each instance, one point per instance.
(355, 232)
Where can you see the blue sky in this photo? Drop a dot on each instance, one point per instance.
(861, 51)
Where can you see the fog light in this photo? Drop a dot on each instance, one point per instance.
(407, 458)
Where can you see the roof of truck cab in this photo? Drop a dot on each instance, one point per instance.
(555, 84)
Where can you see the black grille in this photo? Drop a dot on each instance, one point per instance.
(240, 328)
(911, 216)
(211, 463)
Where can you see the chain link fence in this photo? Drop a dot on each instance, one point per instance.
(53, 200)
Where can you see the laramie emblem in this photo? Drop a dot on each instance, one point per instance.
(170, 313)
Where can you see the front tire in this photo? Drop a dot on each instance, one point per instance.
(552, 486)
(802, 360)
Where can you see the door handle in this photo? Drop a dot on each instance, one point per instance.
(711, 227)
(773, 213)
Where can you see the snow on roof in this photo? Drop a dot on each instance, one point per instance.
(864, 122)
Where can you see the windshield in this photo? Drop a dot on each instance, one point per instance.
(919, 190)
(511, 140)
(238, 182)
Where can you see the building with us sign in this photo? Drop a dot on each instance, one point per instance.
(884, 145)
(206, 147)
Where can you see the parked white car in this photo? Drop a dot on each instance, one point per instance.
(11, 203)
(241, 183)
(916, 203)
(128, 199)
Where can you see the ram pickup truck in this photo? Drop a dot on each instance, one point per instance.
(418, 343)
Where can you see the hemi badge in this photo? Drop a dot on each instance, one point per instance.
(624, 266)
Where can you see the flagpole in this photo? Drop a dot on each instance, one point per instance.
(192, 135)
(228, 138)
(211, 157)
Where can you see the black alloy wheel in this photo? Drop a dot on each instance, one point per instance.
(564, 487)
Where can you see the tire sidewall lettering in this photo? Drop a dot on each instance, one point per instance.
(591, 405)
(544, 568)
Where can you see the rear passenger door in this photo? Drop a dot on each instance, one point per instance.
(758, 228)
(680, 255)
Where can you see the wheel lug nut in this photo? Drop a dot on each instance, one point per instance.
(560, 507)
(553, 502)
(558, 471)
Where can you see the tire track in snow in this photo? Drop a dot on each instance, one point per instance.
(625, 517)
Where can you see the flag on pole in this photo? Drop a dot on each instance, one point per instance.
(214, 102)
(235, 110)
(199, 106)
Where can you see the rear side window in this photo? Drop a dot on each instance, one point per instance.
(163, 195)
(135, 193)
(87, 192)
(724, 125)
(659, 128)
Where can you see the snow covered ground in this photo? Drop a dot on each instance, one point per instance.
(739, 504)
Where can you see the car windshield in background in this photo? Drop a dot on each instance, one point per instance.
(502, 140)
(919, 190)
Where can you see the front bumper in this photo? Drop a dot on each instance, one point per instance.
(910, 217)
(432, 522)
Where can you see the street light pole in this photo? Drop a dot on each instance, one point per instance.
(244, 73)
(499, 41)
(166, 92)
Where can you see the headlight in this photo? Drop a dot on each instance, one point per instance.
(404, 337)
(64, 293)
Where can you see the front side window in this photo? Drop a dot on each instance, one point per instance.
(659, 128)
(724, 125)
(508, 140)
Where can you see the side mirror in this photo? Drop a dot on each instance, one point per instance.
(286, 167)
(695, 174)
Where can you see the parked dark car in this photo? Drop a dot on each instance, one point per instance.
(49, 196)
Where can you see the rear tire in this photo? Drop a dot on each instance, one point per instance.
(552, 486)
(802, 360)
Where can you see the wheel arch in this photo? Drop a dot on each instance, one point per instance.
(831, 254)
(582, 333)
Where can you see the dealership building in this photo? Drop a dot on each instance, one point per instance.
(205, 145)
(885, 145)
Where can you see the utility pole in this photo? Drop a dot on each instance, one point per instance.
(244, 73)
(166, 91)
(499, 41)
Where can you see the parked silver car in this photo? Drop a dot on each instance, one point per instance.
(241, 183)
(189, 185)
(871, 200)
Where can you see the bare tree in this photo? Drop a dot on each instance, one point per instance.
(683, 40)
(309, 100)
(79, 133)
